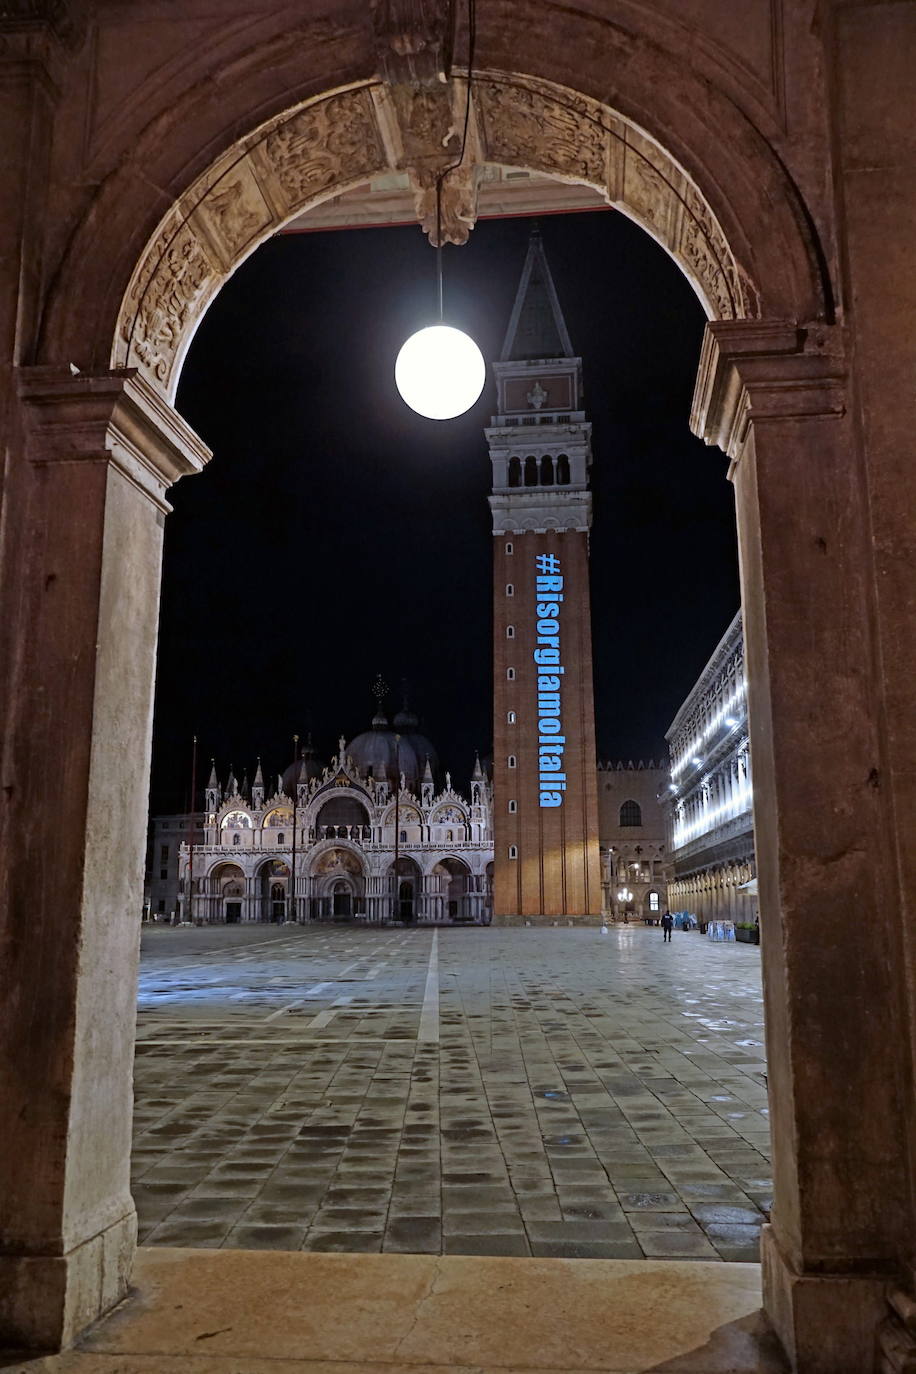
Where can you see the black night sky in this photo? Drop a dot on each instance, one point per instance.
(335, 535)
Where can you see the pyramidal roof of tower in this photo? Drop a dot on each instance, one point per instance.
(537, 328)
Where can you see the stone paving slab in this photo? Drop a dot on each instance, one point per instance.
(615, 1084)
(232, 1311)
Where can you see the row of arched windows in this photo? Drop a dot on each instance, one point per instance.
(549, 471)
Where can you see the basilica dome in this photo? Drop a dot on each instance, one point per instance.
(387, 749)
(309, 762)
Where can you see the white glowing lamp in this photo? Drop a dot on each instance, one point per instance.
(440, 372)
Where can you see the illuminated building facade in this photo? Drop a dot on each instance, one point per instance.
(634, 846)
(369, 837)
(710, 796)
(544, 769)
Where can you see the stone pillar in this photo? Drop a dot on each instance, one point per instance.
(98, 453)
(775, 398)
(876, 52)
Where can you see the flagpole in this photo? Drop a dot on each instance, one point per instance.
(292, 876)
(189, 905)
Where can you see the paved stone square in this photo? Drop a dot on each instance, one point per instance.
(547, 1092)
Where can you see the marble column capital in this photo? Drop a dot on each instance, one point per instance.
(115, 417)
(754, 372)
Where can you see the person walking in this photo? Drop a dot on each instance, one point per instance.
(667, 926)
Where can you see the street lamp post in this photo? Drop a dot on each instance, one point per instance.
(188, 911)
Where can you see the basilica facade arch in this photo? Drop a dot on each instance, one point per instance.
(331, 853)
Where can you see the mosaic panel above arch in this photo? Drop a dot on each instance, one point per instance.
(340, 141)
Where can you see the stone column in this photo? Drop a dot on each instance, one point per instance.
(97, 453)
(774, 397)
(875, 51)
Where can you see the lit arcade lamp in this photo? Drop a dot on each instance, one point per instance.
(440, 371)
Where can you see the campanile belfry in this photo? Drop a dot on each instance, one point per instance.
(544, 767)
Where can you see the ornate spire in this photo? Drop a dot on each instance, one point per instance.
(427, 771)
(214, 780)
(478, 771)
(537, 328)
(257, 790)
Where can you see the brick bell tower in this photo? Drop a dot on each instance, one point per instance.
(545, 788)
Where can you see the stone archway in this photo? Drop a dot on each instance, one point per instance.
(227, 892)
(337, 880)
(331, 144)
(450, 881)
(772, 392)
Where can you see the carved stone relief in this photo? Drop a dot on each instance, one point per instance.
(522, 126)
(233, 214)
(178, 277)
(316, 150)
(297, 161)
(652, 190)
(456, 213)
(325, 147)
(423, 132)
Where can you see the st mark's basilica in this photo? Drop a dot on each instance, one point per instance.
(542, 833)
(374, 812)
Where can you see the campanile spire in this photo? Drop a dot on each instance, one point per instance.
(536, 328)
(544, 768)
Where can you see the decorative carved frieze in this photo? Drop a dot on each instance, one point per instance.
(523, 126)
(234, 214)
(653, 188)
(176, 277)
(323, 148)
(295, 162)
(561, 133)
(333, 144)
(701, 247)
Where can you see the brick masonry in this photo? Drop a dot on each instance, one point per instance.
(556, 873)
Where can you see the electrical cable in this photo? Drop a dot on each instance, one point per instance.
(472, 41)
